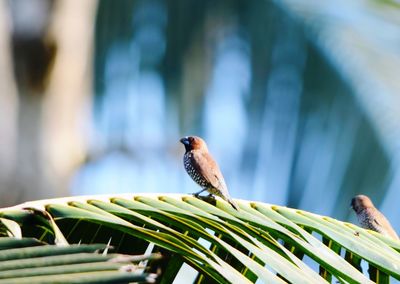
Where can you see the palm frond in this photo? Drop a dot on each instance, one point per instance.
(260, 241)
(28, 260)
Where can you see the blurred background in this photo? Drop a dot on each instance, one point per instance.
(299, 100)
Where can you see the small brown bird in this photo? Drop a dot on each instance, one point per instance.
(202, 168)
(370, 218)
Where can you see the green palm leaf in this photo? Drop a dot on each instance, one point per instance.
(28, 260)
(272, 244)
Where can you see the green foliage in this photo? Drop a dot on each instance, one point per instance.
(28, 260)
(259, 242)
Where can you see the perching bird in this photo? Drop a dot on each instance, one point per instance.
(202, 168)
(370, 218)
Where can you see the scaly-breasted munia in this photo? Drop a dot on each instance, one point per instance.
(202, 168)
(370, 218)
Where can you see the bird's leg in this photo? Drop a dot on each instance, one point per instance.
(198, 193)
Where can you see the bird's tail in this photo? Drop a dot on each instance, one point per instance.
(225, 196)
(233, 203)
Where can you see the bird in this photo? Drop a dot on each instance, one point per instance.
(370, 218)
(202, 168)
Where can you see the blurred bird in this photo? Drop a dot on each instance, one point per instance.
(202, 168)
(370, 218)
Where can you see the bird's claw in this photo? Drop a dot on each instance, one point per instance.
(210, 196)
(207, 198)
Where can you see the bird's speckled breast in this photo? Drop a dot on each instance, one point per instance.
(193, 173)
(367, 221)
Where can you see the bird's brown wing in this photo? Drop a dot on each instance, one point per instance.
(208, 168)
(384, 223)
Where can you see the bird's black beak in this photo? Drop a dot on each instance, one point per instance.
(185, 141)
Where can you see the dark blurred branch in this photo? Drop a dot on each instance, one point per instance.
(33, 50)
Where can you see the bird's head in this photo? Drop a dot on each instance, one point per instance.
(360, 202)
(193, 143)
